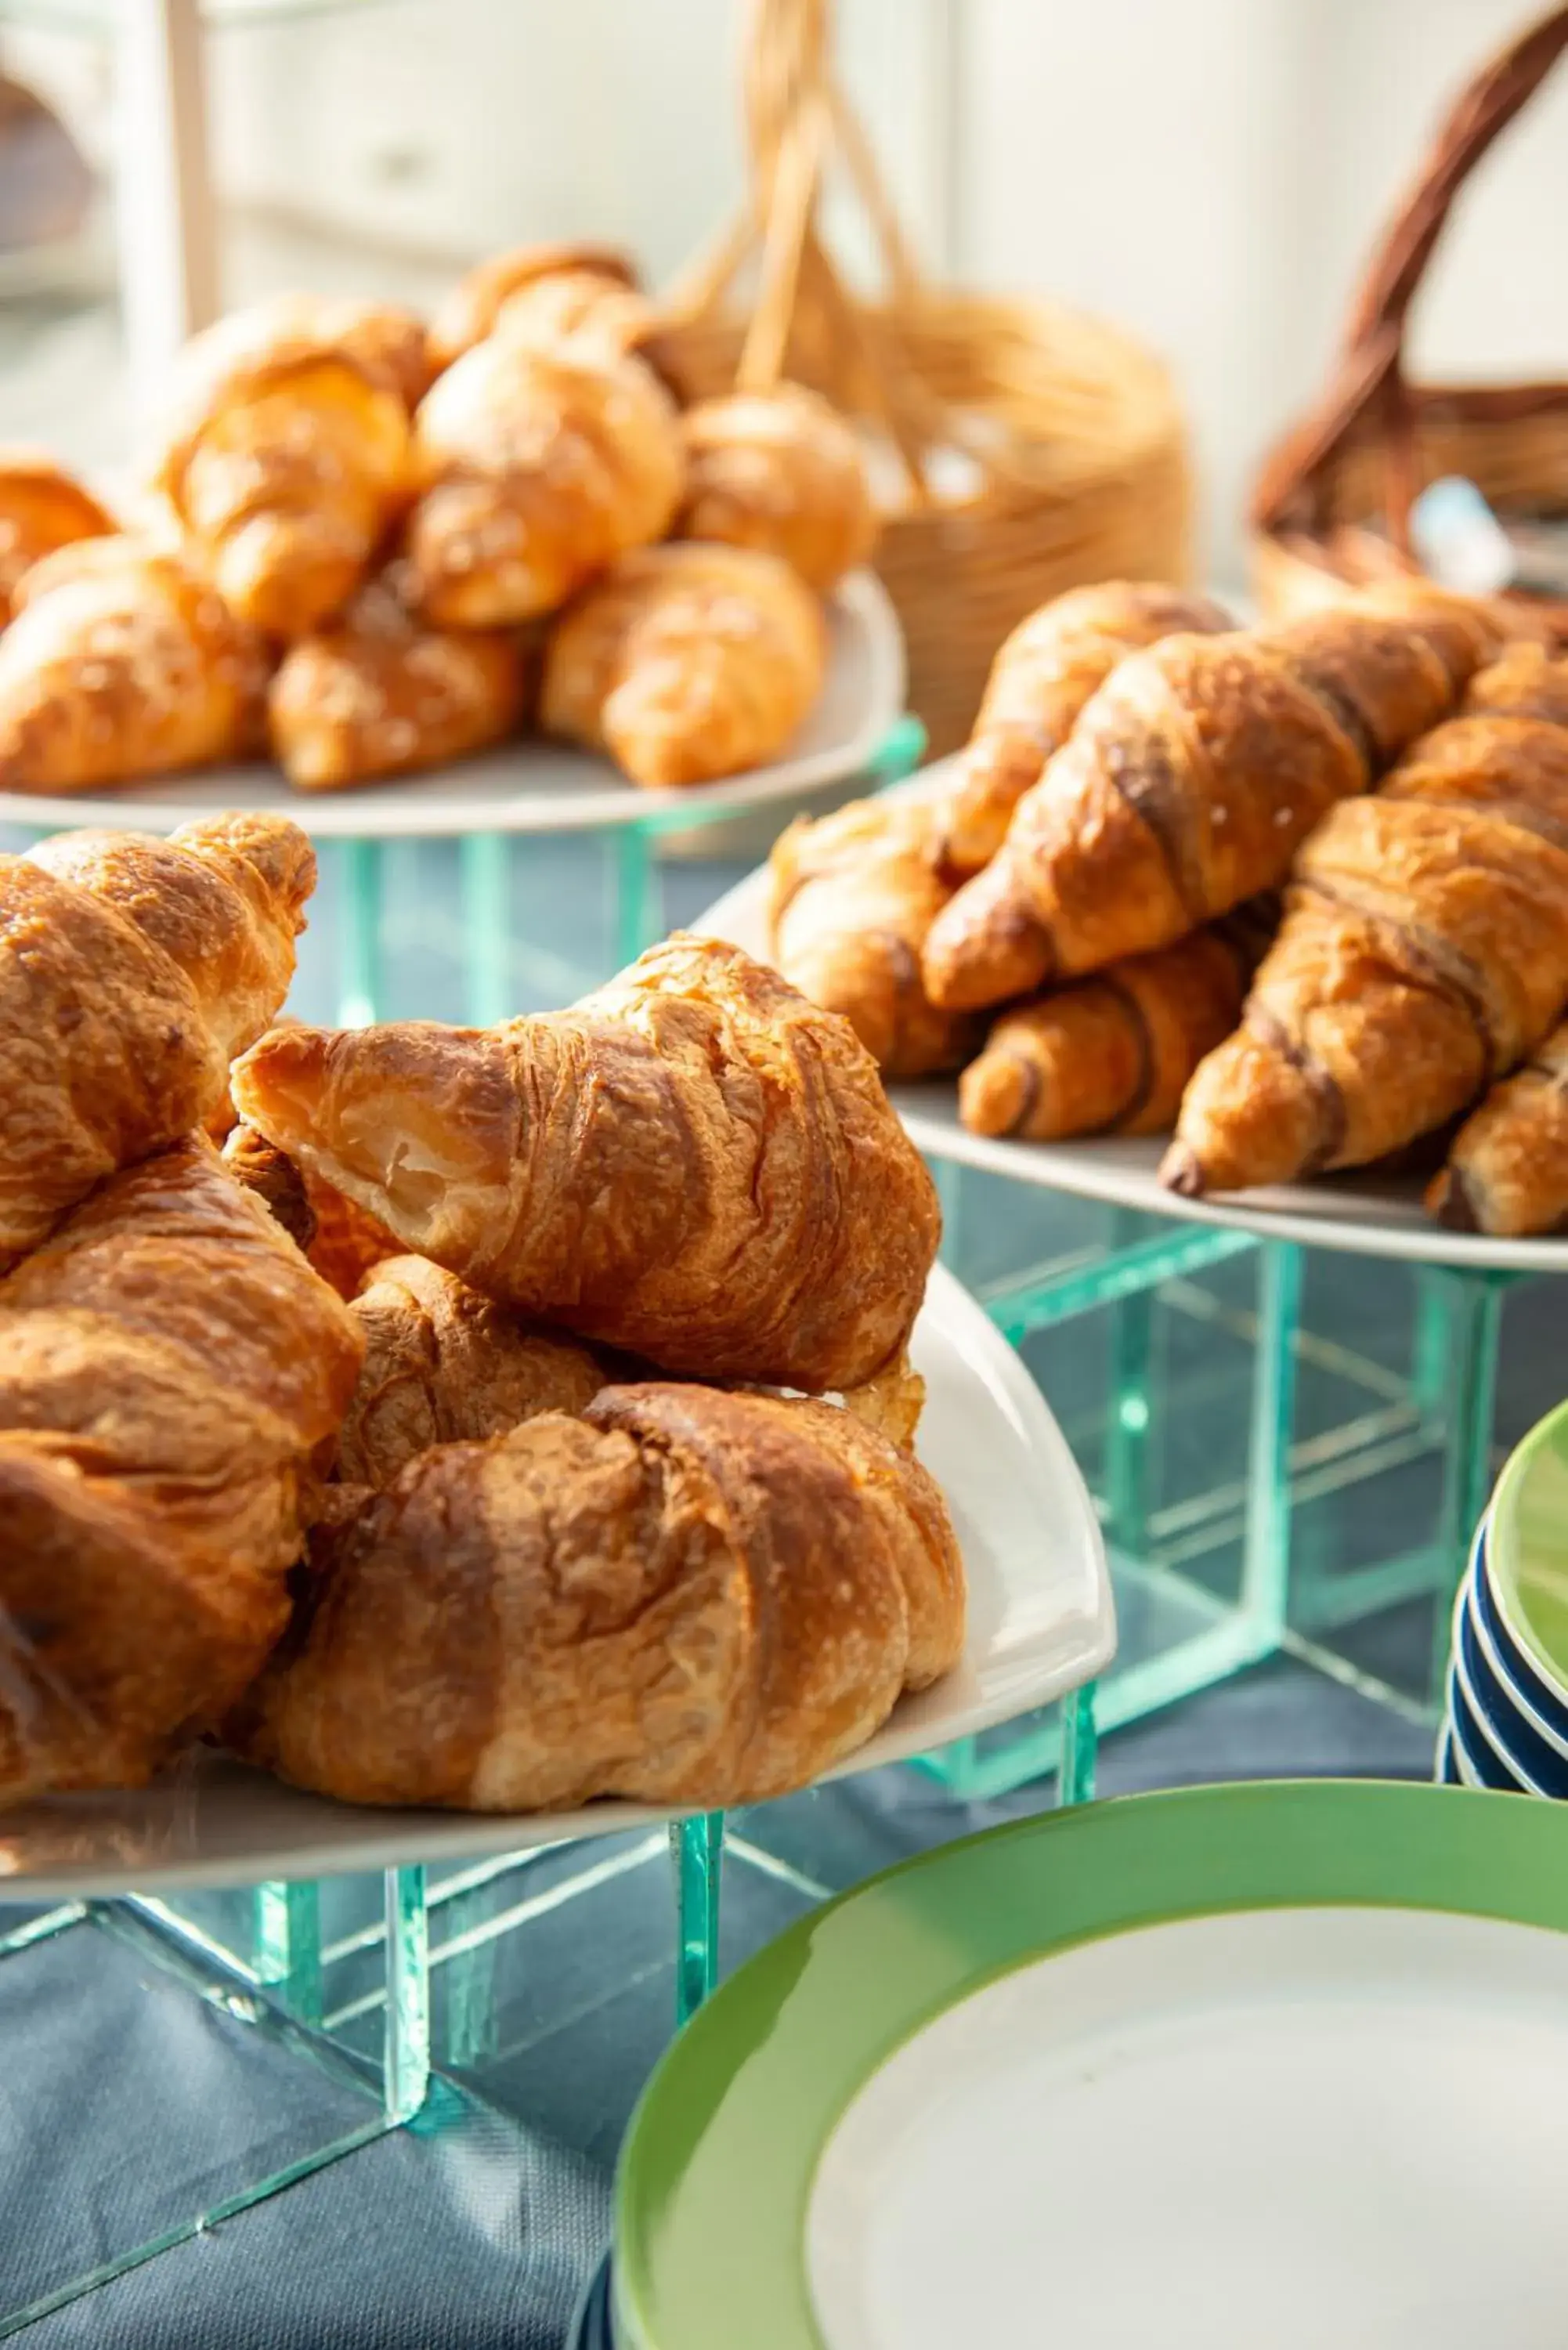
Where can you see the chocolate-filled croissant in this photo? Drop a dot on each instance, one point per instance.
(684, 1598)
(693, 1164)
(1507, 1167)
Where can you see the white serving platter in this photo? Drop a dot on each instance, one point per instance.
(1041, 1622)
(1362, 1215)
(537, 786)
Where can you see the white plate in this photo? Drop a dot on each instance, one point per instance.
(1353, 1212)
(1039, 1623)
(1292, 2128)
(541, 786)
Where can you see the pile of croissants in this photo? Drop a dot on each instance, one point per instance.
(1296, 895)
(373, 545)
(501, 1419)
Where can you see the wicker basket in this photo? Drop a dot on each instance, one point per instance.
(1034, 448)
(1333, 502)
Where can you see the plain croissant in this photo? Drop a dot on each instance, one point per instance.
(1507, 1167)
(473, 308)
(131, 970)
(41, 508)
(286, 458)
(693, 1164)
(171, 1373)
(780, 471)
(1424, 952)
(444, 1365)
(851, 897)
(1039, 681)
(686, 663)
(119, 664)
(535, 467)
(684, 1598)
(384, 694)
(1112, 1054)
(1190, 780)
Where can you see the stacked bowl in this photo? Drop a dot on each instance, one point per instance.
(1506, 1724)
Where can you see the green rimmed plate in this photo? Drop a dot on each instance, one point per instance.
(1527, 1547)
(1241, 2065)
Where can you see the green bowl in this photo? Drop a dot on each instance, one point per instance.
(1527, 1547)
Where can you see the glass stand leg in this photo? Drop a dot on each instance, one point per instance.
(697, 1851)
(1080, 1747)
(1128, 1423)
(359, 957)
(1472, 1308)
(1265, 1557)
(639, 916)
(483, 871)
(406, 2047)
(289, 1947)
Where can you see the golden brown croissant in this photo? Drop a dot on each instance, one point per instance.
(120, 664)
(444, 1365)
(686, 663)
(1424, 952)
(851, 898)
(473, 307)
(1111, 1054)
(780, 471)
(131, 970)
(384, 694)
(688, 1597)
(41, 508)
(272, 1177)
(348, 1242)
(1191, 779)
(1044, 675)
(693, 1164)
(287, 458)
(535, 469)
(170, 1373)
(1508, 1168)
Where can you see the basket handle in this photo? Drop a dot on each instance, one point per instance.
(1370, 373)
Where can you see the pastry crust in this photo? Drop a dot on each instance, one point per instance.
(1190, 780)
(473, 307)
(445, 1365)
(688, 1597)
(41, 508)
(537, 468)
(119, 664)
(780, 471)
(1507, 1170)
(1040, 680)
(287, 457)
(693, 1164)
(686, 663)
(851, 898)
(1424, 953)
(385, 693)
(170, 1372)
(131, 970)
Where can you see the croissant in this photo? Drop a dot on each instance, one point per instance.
(1508, 1168)
(170, 1371)
(1111, 1054)
(40, 508)
(686, 1597)
(693, 1164)
(851, 898)
(443, 1363)
(686, 663)
(384, 694)
(393, 342)
(1424, 952)
(535, 468)
(473, 307)
(131, 970)
(347, 1241)
(286, 459)
(1040, 680)
(780, 471)
(120, 664)
(1190, 780)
